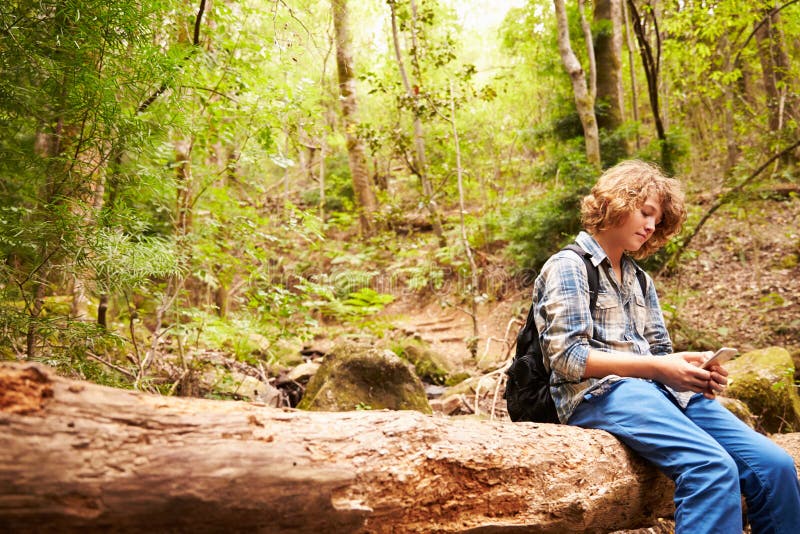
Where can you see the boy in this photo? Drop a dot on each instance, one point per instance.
(615, 370)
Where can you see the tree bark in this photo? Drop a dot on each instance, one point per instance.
(76, 455)
(775, 66)
(584, 100)
(651, 63)
(362, 183)
(590, 51)
(632, 72)
(608, 55)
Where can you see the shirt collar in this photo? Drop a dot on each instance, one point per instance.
(590, 245)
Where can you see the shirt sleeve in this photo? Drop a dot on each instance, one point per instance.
(563, 316)
(655, 331)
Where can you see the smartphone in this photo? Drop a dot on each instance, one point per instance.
(721, 356)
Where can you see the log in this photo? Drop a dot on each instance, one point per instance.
(79, 456)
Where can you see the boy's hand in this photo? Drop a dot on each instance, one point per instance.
(718, 381)
(681, 371)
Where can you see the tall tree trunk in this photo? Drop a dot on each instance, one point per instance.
(584, 100)
(420, 164)
(362, 184)
(590, 51)
(651, 65)
(781, 103)
(52, 146)
(729, 96)
(632, 70)
(322, 179)
(608, 54)
(472, 344)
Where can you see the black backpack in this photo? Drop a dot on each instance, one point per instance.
(528, 386)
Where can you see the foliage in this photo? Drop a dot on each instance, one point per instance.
(537, 230)
(68, 103)
(161, 161)
(363, 302)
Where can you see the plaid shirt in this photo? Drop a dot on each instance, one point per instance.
(624, 320)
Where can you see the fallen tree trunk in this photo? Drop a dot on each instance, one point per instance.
(76, 456)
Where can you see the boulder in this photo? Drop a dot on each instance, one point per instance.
(739, 409)
(363, 377)
(233, 384)
(428, 365)
(764, 381)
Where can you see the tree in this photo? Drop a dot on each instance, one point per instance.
(584, 98)
(651, 62)
(362, 182)
(65, 101)
(419, 166)
(782, 102)
(608, 54)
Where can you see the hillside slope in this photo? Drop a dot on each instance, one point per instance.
(737, 285)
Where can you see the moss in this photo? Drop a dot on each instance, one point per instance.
(354, 377)
(739, 409)
(764, 380)
(454, 380)
(428, 365)
(789, 261)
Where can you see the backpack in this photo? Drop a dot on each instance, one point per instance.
(528, 386)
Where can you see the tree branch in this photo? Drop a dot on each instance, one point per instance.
(722, 199)
(195, 43)
(772, 12)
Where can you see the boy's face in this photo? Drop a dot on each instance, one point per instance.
(638, 227)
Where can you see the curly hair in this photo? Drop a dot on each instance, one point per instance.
(623, 189)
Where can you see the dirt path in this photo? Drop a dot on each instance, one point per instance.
(448, 329)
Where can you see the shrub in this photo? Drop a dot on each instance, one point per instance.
(538, 230)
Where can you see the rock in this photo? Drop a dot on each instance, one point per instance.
(428, 365)
(236, 385)
(356, 376)
(447, 405)
(303, 372)
(764, 381)
(739, 409)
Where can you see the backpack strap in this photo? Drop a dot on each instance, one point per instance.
(642, 280)
(593, 276)
(592, 273)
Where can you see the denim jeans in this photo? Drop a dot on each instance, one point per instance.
(711, 456)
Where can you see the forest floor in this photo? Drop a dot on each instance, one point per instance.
(737, 284)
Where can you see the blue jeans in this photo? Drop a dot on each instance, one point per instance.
(710, 455)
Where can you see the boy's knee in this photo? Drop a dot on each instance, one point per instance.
(780, 462)
(728, 468)
(717, 471)
(724, 469)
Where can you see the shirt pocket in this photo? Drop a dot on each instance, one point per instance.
(639, 314)
(609, 318)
